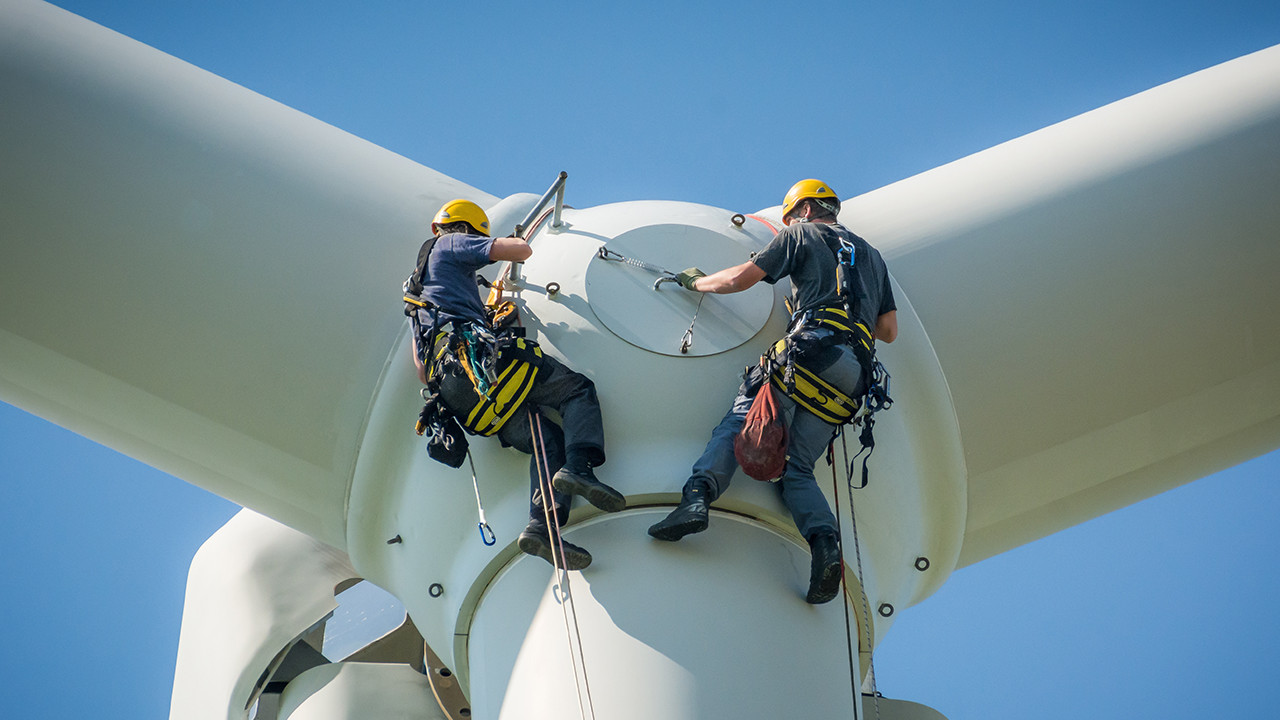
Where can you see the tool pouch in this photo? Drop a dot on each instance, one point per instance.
(817, 350)
(761, 446)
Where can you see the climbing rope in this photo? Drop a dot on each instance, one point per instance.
(857, 551)
(477, 366)
(844, 582)
(586, 708)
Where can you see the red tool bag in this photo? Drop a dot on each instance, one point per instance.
(761, 446)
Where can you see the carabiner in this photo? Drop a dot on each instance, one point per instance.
(486, 532)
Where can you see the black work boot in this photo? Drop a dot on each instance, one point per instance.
(824, 571)
(535, 540)
(578, 479)
(690, 516)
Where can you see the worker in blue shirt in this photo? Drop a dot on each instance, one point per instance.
(446, 283)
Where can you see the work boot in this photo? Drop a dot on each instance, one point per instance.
(536, 541)
(690, 516)
(824, 571)
(580, 480)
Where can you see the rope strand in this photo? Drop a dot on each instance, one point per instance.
(567, 609)
(844, 583)
(866, 606)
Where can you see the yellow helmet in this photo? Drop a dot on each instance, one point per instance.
(806, 189)
(461, 211)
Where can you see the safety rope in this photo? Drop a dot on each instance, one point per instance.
(477, 368)
(687, 340)
(486, 532)
(844, 582)
(664, 275)
(567, 609)
(857, 550)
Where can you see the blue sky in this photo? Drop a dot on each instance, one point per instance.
(1160, 610)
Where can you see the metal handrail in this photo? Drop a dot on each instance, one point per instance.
(512, 273)
(556, 189)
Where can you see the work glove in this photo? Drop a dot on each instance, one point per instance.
(688, 276)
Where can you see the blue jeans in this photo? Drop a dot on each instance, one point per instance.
(808, 438)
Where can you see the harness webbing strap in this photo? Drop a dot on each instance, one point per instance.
(837, 319)
(414, 283)
(816, 395)
(492, 411)
(499, 400)
(803, 385)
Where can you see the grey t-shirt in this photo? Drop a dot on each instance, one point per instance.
(806, 252)
(450, 280)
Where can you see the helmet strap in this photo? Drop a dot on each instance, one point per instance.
(833, 208)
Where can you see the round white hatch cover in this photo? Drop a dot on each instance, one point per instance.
(624, 299)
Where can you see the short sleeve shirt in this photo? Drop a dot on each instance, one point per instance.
(806, 252)
(450, 280)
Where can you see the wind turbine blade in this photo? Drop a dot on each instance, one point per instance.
(1102, 298)
(194, 274)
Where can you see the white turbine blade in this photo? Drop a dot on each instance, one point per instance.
(193, 274)
(255, 587)
(1102, 298)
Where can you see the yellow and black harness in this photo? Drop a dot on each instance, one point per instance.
(501, 369)
(790, 375)
(784, 365)
(500, 364)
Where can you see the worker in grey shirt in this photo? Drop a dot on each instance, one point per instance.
(806, 251)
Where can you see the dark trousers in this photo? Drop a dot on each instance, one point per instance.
(579, 438)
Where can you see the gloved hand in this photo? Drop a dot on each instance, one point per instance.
(688, 276)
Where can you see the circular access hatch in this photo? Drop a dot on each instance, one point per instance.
(624, 299)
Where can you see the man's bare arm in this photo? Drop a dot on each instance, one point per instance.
(417, 363)
(730, 280)
(510, 248)
(887, 327)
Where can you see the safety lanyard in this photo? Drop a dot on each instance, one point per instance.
(486, 532)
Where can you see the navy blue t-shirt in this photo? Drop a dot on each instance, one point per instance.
(450, 280)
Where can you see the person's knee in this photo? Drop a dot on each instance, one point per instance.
(583, 387)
